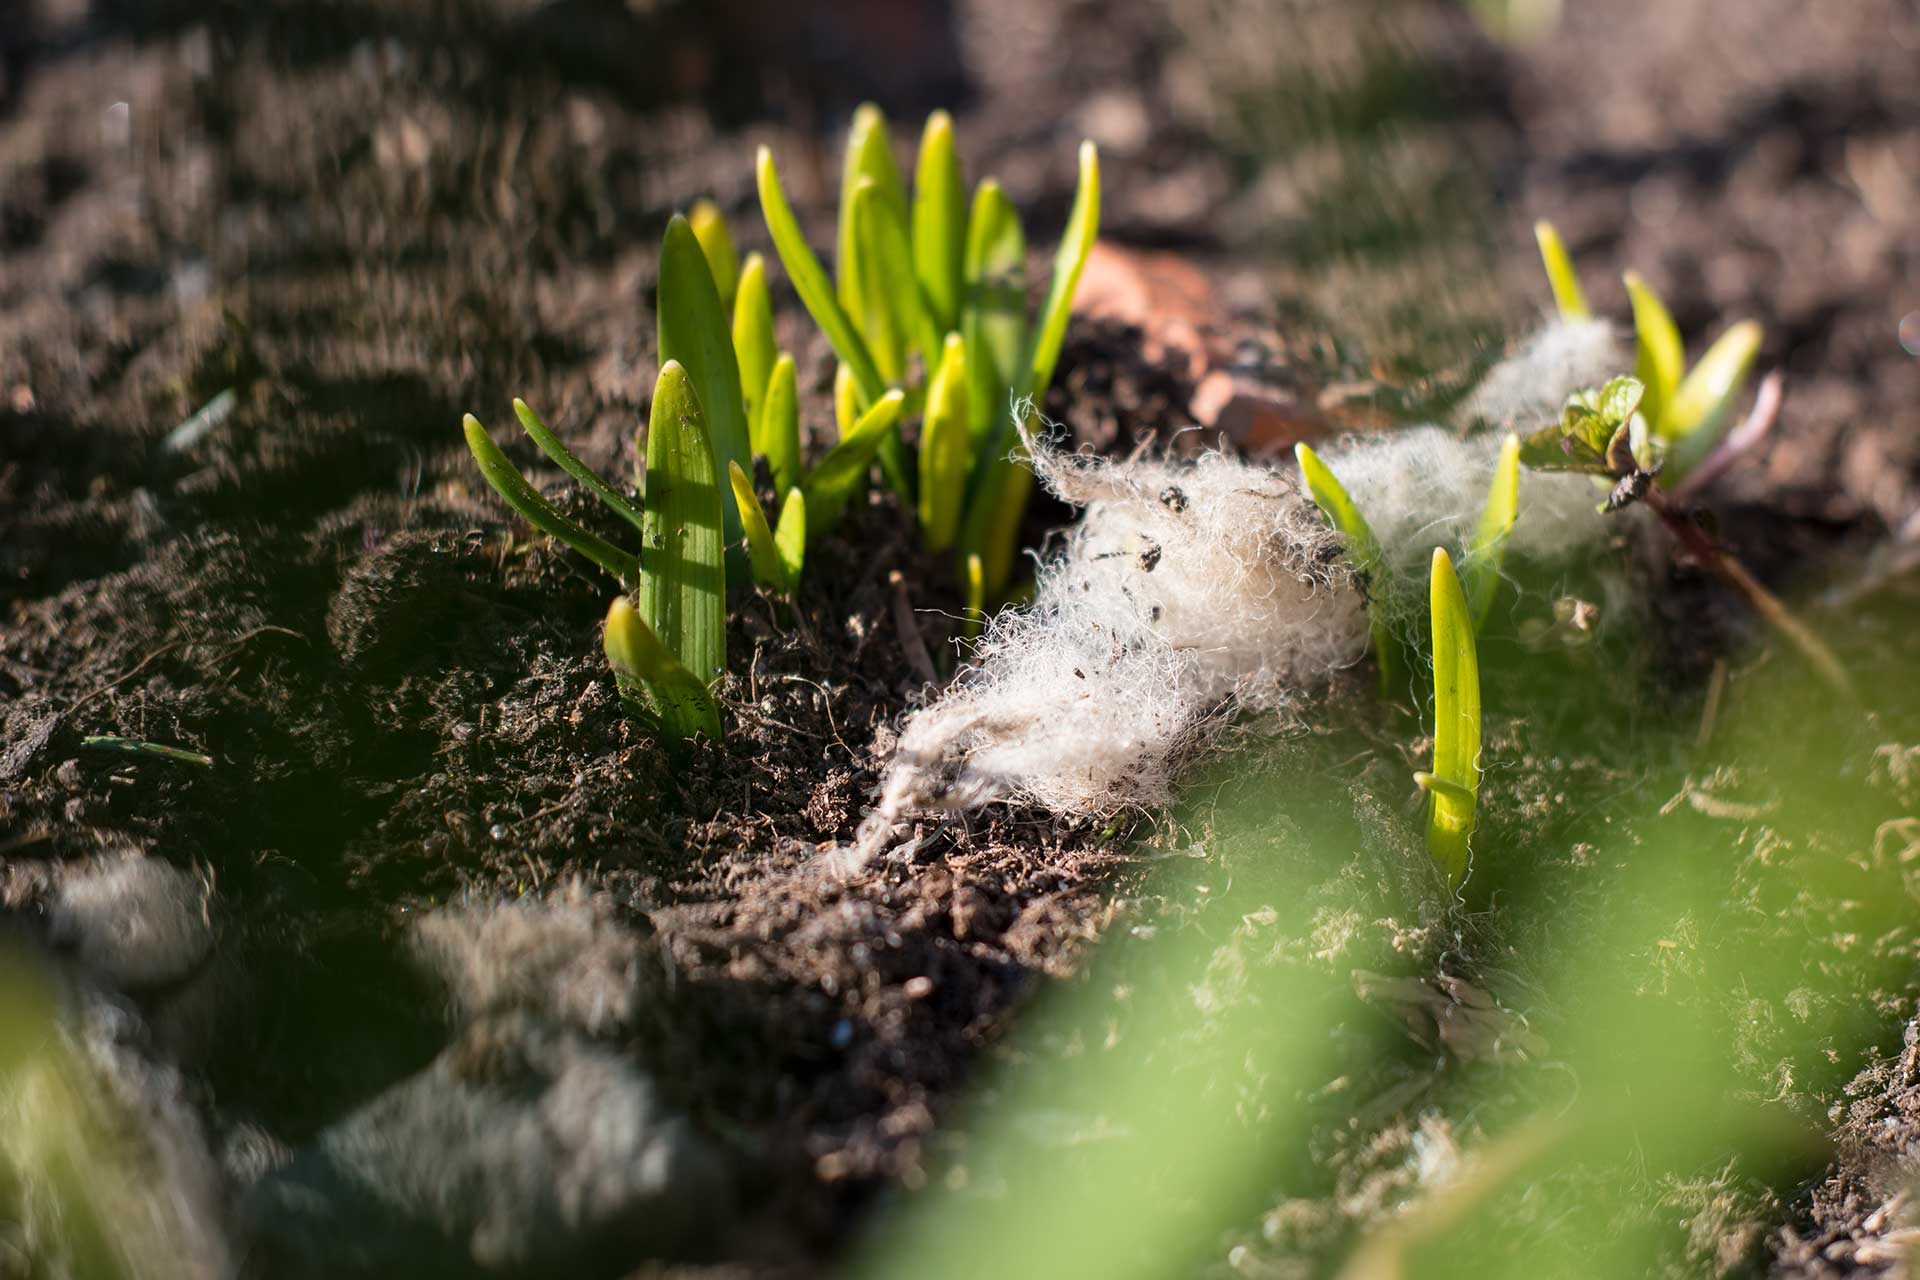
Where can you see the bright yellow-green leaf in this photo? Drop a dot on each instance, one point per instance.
(976, 576)
(810, 280)
(993, 310)
(846, 401)
(945, 450)
(939, 221)
(1363, 550)
(869, 155)
(710, 229)
(889, 279)
(780, 432)
(536, 510)
(1567, 294)
(767, 570)
(1489, 545)
(1083, 227)
(683, 591)
(550, 445)
(1661, 357)
(790, 537)
(1456, 723)
(843, 472)
(653, 681)
(753, 345)
(694, 333)
(1702, 408)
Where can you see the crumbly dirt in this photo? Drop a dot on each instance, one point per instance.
(360, 222)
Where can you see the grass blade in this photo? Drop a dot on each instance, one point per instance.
(810, 281)
(1661, 358)
(1567, 295)
(790, 537)
(1489, 545)
(993, 309)
(753, 345)
(537, 511)
(767, 571)
(1456, 723)
(683, 591)
(1703, 406)
(694, 333)
(1083, 227)
(939, 222)
(653, 682)
(1363, 550)
(945, 450)
(550, 445)
(781, 431)
(843, 472)
(716, 242)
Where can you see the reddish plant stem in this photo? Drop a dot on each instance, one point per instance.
(1763, 601)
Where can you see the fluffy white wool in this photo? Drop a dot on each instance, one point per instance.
(1191, 588)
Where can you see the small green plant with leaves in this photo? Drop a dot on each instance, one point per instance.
(923, 277)
(1685, 411)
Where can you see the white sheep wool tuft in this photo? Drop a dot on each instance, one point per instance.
(1190, 589)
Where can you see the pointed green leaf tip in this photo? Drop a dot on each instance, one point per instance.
(716, 242)
(780, 433)
(653, 682)
(767, 570)
(939, 221)
(1489, 546)
(1456, 723)
(1363, 551)
(810, 279)
(944, 448)
(1702, 408)
(790, 537)
(536, 510)
(832, 483)
(694, 333)
(753, 345)
(550, 445)
(1661, 357)
(683, 592)
(1567, 295)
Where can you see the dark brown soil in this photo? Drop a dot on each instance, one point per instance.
(364, 220)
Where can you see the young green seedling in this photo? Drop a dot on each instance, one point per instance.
(1363, 552)
(1454, 784)
(754, 350)
(716, 242)
(1686, 411)
(693, 331)
(654, 686)
(769, 573)
(1489, 545)
(944, 455)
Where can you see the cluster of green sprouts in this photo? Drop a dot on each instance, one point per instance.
(1458, 606)
(926, 281)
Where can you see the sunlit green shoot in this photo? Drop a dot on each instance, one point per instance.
(976, 577)
(550, 445)
(836, 478)
(869, 156)
(1083, 228)
(682, 595)
(768, 572)
(790, 537)
(780, 432)
(655, 686)
(537, 511)
(694, 334)
(1702, 406)
(753, 344)
(1567, 295)
(939, 222)
(1489, 545)
(1661, 358)
(716, 242)
(1363, 552)
(945, 450)
(846, 402)
(810, 281)
(993, 311)
(1452, 807)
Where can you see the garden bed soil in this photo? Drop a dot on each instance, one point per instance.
(359, 223)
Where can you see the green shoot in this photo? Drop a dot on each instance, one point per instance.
(753, 345)
(695, 335)
(1661, 358)
(586, 475)
(1489, 545)
(993, 313)
(846, 402)
(780, 432)
(683, 592)
(869, 156)
(790, 537)
(716, 243)
(768, 571)
(939, 222)
(1456, 724)
(832, 484)
(944, 453)
(1702, 406)
(537, 511)
(653, 684)
(976, 598)
(1000, 500)
(1567, 294)
(1363, 551)
(1594, 434)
